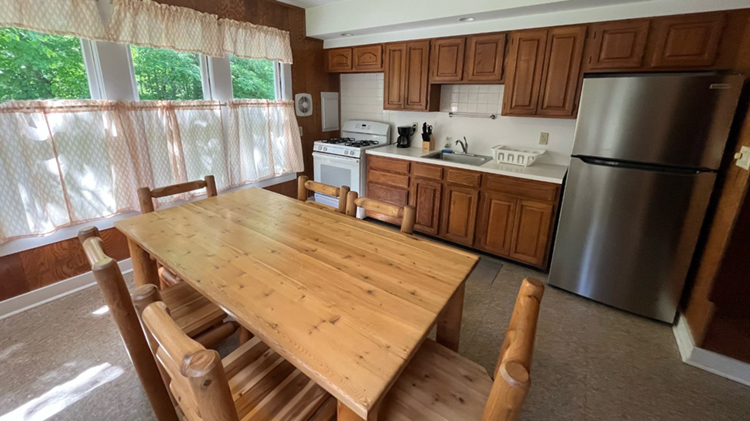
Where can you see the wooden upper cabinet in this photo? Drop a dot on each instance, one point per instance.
(416, 74)
(561, 75)
(617, 45)
(395, 79)
(687, 41)
(524, 72)
(339, 59)
(447, 60)
(484, 58)
(368, 58)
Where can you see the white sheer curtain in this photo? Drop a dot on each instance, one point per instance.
(80, 18)
(263, 140)
(68, 162)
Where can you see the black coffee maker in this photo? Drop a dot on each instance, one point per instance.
(404, 136)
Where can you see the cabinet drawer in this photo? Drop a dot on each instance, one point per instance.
(391, 165)
(389, 179)
(464, 178)
(523, 188)
(427, 171)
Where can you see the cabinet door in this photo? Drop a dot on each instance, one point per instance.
(459, 212)
(387, 194)
(484, 58)
(368, 58)
(561, 77)
(447, 59)
(687, 41)
(395, 76)
(617, 45)
(523, 79)
(531, 232)
(495, 226)
(416, 73)
(425, 197)
(340, 60)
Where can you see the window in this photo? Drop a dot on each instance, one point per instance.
(162, 74)
(255, 79)
(41, 66)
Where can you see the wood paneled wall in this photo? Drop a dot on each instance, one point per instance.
(309, 74)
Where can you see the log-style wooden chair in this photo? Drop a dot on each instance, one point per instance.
(304, 186)
(439, 384)
(198, 317)
(252, 383)
(407, 214)
(146, 198)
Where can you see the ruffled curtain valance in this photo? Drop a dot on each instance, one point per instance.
(148, 23)
(80, 18)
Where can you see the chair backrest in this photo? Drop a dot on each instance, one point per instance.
(146, 196)
(407, 214)
(112, 285)
(304, 186)
(198, 380)
(514, 363)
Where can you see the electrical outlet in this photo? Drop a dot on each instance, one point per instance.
(543, 138)
(743, 158)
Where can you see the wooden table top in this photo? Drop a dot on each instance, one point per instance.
(346, 301)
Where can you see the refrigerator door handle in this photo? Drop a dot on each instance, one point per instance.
(602, 162)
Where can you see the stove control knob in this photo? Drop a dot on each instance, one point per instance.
(324, 148)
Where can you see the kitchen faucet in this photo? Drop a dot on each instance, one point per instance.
(464, 145)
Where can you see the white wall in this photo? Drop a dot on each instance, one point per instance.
(362, 99)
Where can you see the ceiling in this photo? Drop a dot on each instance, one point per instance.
(357, 22)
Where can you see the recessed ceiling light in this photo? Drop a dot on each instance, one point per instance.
(346, 34)
(466, 19)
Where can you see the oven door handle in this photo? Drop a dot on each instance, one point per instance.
(335, 157)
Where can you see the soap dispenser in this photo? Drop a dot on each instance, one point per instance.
(447, 148)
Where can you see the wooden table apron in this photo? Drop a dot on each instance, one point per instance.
(346, 301)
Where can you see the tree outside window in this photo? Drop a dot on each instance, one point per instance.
(41, 66)
(252, 78)
(167, 74)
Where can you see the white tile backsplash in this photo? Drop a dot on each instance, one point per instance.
(362, 99)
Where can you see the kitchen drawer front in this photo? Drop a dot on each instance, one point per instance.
(530, 189)
(399, 166)
(463, 178)
(427, 171)
(387, 178)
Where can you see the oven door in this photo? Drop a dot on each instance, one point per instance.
(336, 171)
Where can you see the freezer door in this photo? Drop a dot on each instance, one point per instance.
(677, 120)
(626, 236)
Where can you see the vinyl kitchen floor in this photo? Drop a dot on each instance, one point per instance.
(65, 361)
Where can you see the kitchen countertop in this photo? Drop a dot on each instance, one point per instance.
(549, 173)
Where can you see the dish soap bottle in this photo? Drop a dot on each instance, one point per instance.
(447, 148)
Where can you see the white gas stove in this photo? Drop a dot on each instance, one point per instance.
(341, 161)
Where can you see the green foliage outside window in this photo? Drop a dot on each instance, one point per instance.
(41, 66)
(166, 74)
(252, 78)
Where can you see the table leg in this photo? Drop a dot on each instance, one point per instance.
(449, 321)
(346, 414)
(145, 270)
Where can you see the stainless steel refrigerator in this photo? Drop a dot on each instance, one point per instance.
(644, 162)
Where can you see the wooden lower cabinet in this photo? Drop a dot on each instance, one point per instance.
(496, 220)
(425, 197)
(459, 214)
(531, 233)
(505, 216)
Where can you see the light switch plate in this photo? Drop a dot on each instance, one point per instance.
(544, 138)
(743, 158)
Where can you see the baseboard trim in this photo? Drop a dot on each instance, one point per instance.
(52, 292)
(706, 360)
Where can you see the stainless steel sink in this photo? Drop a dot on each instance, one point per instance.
(468, 159)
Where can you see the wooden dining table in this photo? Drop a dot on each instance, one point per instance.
(348, 302)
